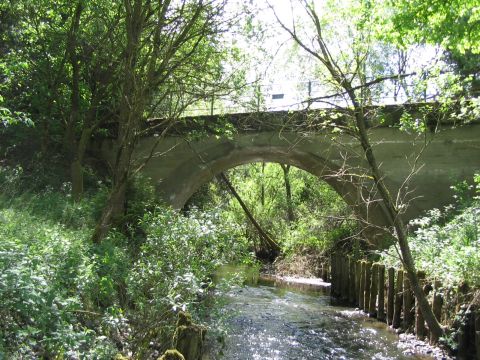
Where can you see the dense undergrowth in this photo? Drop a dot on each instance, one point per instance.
(63, 297)
(446, 242)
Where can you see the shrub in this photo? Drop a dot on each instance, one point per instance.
(175, 264)
(45, 276)
(63, 297)
(446, 243)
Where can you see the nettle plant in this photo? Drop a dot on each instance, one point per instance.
(446, 243)
(179, 256)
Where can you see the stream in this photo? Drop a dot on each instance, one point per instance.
(269, 320)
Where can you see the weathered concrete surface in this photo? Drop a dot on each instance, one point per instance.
(179, 167)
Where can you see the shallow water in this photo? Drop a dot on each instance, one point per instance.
(264, 321)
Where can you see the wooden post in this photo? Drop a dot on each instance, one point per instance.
(372, 307)
(333, 282)
(339, 285)
(420, 329)
(323, 272)
(358, 276)
(477, 332)
(381, 293)
(436, 307)
(465, 325)
(462, 292)
(408, 305)
(345, 278)
(171, 354)
(332, 272)
(188, 337)
(398, 300)
(361, 286)
(351, 281)
(368, 283)
(340, 277)
(390, 295)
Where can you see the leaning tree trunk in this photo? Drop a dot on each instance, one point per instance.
(396, 220)
(266, 239)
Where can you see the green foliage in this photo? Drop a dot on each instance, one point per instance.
(64, 297)
(446, 243)
(7, 117)
(454, 24)
(45, 194)
(451, 25)
(321, 218)
(179, 255)
(174, 268)
(47, 281)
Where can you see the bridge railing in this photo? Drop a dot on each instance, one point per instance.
(312, 94)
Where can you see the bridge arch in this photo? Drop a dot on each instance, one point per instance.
(306, 161)
(192, 164)
(178, 167)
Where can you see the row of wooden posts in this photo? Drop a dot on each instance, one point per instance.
(387, 295)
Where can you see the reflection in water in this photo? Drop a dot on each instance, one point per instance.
(267, 322)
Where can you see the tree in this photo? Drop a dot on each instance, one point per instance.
(163, 39)
(452, 25)
(58, 75)
(33, 63)
(346, 69)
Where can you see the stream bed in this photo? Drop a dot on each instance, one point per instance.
(283, 321)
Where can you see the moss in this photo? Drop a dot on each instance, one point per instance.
(172, 355)
(184, 318)
(120, 357)
(189, 337)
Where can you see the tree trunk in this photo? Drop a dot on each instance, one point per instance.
(262, 188)
(396, 220)
(131, 114)
(76, 175)
(339, 77)
(288, 191)
(69, 141)
(112, 212)
(267, 240)
(90, 123)
(76, 167)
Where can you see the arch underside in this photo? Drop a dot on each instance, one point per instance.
(205, 162)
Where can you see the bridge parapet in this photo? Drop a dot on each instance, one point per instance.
(301, 121)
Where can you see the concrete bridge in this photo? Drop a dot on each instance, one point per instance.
(193, 152)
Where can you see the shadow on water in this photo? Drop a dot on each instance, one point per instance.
(271, 319)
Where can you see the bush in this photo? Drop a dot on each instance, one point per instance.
(63, 297)
(446, 243)
(175, 265)
(45, 278)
